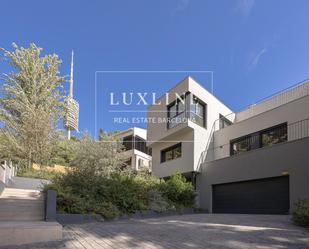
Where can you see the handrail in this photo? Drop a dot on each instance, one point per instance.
(204, 153)
(296, 130)
(303, 82)
(270, 97)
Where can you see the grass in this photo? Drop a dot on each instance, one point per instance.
(38, 174)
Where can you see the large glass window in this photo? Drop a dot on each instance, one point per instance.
(198, 112)
(128, 142)
(171, 153)
(268, 137)
(274, 135)
(176, 112)
(135, 142)
(223, 122)
(140, 144)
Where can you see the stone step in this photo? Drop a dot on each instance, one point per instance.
(21, 210)
(18, 233)
(12, 193)
(22, 205)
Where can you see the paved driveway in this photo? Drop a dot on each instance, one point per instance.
(187, 231)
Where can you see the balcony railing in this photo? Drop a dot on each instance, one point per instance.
(179, 119)
(184, 117)
(280, 98)
(296, 130)
(292, 93)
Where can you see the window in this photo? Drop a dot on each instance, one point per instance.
(223, 122)
(244, 144)
(128, 142)
(135, 142)
(274, 135)
(198, 112)
(268, 137)
(171, 153)
(176, 112)
(140, 144)
(140, 163)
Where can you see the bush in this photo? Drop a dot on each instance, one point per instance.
(120, 193)
(157, 202)
(108, 210)
(179, 191)
(301, 213)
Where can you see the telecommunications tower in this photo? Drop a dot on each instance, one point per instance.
(72, 107)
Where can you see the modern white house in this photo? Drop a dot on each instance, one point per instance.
(182, 121)
(138, 155)
(252, 161)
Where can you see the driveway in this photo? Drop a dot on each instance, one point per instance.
(187, 231)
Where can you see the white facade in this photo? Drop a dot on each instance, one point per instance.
(201, 144)
(138, 159)
(290, 106)
(258, 154)
(192, 136)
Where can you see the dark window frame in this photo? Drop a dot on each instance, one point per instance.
(177, 113)
(187, 111)
(171, 148)
(126, 142)
(204, 117)
(224, 122)
(257, 135)
(135, 142)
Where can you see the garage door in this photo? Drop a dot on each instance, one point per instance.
(263, 196)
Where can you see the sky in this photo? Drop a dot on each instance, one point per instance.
(253, 48)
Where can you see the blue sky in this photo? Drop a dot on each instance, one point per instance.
(254, 47)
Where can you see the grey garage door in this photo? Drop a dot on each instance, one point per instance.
(263, 196)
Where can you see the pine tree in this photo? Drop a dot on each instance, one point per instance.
(30, 105)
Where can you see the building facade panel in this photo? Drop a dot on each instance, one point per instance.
(286, 158)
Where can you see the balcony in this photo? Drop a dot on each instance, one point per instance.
(263, 139)
(280, 98)
(184, 117)
(283, 97)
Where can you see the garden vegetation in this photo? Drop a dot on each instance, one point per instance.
(99, 182)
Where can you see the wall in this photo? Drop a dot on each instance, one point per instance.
(198, 136)
(291, 156)
(182, 164)
(2, 178)
(274, 101)
(291, 112)
(158, 130)
(7, 171)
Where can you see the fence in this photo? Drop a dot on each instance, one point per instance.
(296, 130)
(7, 171)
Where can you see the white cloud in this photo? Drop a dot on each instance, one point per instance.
(257, 57)
(245, 6)
(180, 6)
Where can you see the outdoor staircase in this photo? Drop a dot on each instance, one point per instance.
(22, 214)
(21, 205)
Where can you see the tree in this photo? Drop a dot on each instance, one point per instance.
(31, 105)
(64, 152)
(101, 157)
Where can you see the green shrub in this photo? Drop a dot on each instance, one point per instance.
(157, 202)
(120, 193)
(301, 213)
(107, 209)
(179, 191)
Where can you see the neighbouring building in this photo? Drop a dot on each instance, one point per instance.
(137, 154)
(252, 161)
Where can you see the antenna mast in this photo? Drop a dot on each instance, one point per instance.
(72, 106)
